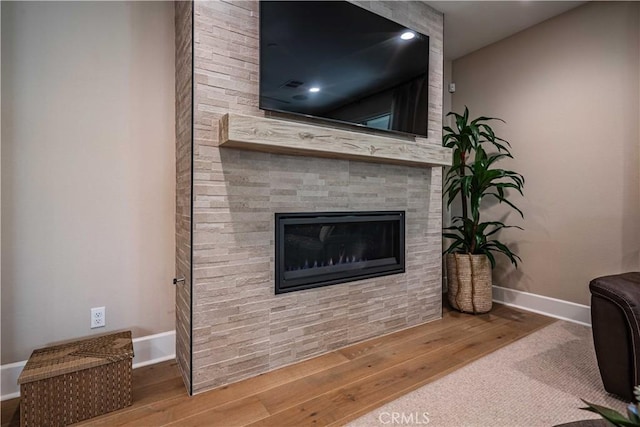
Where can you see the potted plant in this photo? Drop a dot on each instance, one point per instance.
(616, 418)
(473, 179)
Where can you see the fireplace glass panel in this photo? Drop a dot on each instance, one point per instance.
(329, 248)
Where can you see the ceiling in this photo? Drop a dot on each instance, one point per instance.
(471, 25)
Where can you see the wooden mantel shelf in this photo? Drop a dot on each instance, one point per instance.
(285, 137)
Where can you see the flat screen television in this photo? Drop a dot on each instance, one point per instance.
(336, 61)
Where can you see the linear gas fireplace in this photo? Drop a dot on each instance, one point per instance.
(320, 249)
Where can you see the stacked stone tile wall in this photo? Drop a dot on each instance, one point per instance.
(184, 156)
(240, 327)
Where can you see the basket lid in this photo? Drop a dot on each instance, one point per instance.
(75, 356)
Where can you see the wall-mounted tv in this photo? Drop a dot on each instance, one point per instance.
(337, 61)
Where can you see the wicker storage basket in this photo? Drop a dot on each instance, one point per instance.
(72, 382)
(469, 283)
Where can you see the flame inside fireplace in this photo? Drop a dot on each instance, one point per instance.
(349, 259)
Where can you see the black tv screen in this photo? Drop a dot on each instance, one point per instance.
(337, 61)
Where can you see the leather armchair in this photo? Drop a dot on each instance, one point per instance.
(615, 318)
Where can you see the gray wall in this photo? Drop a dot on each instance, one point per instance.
(88, 170)
(568, 89)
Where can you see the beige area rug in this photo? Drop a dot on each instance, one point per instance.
(536, 381)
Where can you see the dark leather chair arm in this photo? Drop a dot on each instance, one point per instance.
(615, 318)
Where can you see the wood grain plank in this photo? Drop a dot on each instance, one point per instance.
(288, 137)
(469, 353)
(449, 319)
(175, 409)
(328, 390)
(339, 405)
(238, 413)
(524, 321)
(154, 374)
(296, 392)
(142, 398)
(306, 389)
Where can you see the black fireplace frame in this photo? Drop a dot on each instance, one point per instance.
(282, 219)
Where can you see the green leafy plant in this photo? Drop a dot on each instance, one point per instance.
(474, 178)
(615, 417)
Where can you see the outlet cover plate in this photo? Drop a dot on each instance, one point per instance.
(98, 319)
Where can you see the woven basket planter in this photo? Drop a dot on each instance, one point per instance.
(469, 282)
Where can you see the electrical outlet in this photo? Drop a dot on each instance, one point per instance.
(98, 318)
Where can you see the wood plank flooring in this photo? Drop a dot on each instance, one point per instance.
(329, 390)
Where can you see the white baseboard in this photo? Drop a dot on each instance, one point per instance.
(154, 349)
(162, 347)
(148, 350)
(9, 380)
(552, 307)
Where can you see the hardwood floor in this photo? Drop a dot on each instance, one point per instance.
(329, 390)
